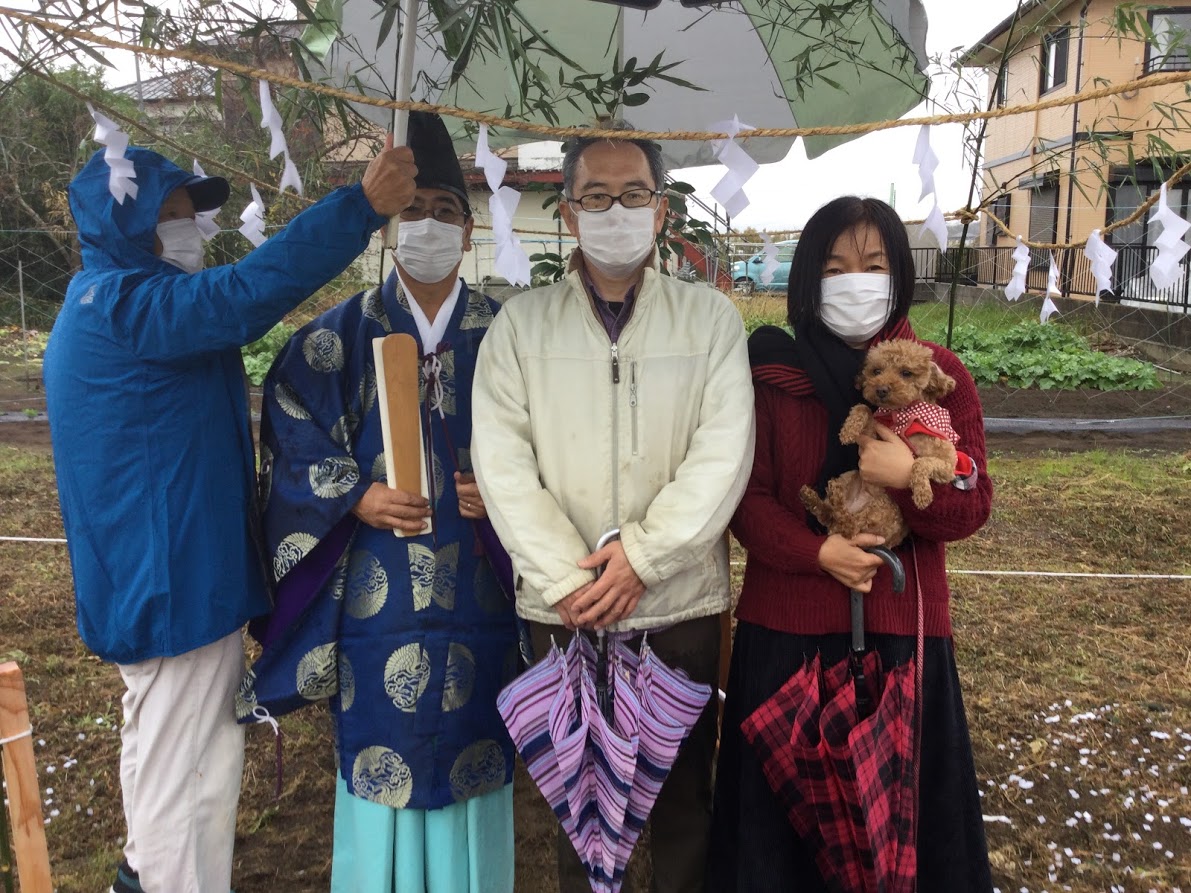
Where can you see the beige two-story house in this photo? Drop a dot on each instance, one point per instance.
(1056, 174)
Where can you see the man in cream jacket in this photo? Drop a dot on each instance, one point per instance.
(621, 398)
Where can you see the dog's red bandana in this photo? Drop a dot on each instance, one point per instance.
(919, 418)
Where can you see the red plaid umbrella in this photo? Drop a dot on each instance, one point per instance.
(847, 777)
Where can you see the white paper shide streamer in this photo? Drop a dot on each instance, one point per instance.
(271, 120)
(254, 219)
(1102, 257)
(115, 141)
(205, 220)
(928, 163)
(769, 251)
(1016, 287)
(1049, 308)
(512, 263)
(729, 191)
(1166, 268)
(1052, 279)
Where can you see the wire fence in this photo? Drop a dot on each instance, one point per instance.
(1133, 320)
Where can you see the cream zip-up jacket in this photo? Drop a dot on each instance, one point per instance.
(573, 435)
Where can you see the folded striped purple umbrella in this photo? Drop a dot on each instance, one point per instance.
(671, 704)
(601, 777)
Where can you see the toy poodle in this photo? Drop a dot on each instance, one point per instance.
(901, 379)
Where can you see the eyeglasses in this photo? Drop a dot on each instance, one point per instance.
(442, 213)
(601, 201)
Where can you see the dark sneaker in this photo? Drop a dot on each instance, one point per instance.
(126, 880)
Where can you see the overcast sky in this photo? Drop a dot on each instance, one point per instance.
(785, 194)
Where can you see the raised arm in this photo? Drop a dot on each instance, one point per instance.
(177, 315)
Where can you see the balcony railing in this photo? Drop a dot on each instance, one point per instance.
(993, 267)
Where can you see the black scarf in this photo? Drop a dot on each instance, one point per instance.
(815, 361)
(832, 367)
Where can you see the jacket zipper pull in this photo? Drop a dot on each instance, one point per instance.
(615, 363)
(633, 384)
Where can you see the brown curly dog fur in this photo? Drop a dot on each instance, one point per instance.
(895, 375)
(852, 506)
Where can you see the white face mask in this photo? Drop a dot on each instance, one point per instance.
(856, 306)
(429, 250)
(182, 244)
(616, 241)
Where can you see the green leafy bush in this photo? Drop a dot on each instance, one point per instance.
(1021, 353)
(259, 355)
(1049, 357)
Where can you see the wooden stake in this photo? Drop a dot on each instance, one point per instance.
(20, 773)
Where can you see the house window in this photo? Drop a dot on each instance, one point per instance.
(1054, 59)
(1001, 86)
(1170, 49)
(1135, 242)
(1044, 219)
(1001, 208)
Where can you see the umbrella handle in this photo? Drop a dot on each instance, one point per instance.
(895, 566)
(603, 693)
(611, 536)
(857, 598)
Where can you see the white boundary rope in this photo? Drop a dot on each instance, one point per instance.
(28, 733)
(1074, 574)
(1056, 574)
(33, 539)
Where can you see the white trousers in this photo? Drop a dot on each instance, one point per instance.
(181, 762)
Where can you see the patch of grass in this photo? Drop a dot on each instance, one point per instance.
(929, 318)
(1072, 685)
(761, 310)
(1091, 512)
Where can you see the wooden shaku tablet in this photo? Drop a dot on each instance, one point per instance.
(397, 367)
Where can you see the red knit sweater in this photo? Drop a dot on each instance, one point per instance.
(784, 587)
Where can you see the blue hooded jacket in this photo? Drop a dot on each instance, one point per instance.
(148, 411)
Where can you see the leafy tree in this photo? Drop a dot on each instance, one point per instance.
(44, 142)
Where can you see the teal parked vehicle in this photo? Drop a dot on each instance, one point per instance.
(746, 274)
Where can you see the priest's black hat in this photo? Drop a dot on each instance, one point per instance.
(434, 154)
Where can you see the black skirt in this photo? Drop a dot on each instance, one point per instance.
(754, 848)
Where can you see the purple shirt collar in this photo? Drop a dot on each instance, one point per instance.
(614, 317)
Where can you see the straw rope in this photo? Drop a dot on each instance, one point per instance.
(1153, 80)
(968, 214)
(1132, 218)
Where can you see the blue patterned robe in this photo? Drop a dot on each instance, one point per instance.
(411, 638)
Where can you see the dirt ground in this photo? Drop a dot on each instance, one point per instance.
(286, 844)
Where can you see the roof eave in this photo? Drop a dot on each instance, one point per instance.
(987, 50)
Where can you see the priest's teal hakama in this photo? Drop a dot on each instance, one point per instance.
(411, 638)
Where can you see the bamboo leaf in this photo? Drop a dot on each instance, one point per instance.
(386, 23)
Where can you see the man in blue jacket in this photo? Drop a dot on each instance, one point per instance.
(153, 449)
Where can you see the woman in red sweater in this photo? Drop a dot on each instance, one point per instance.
(850, 285)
